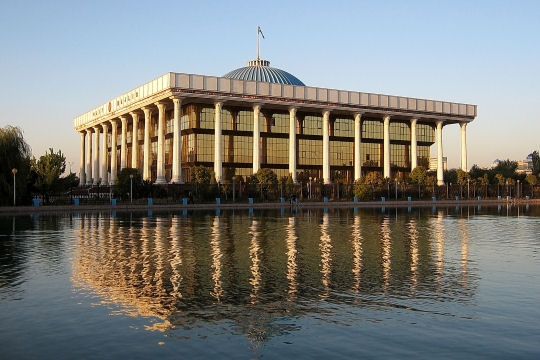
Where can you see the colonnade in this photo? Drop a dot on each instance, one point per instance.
(92, 173)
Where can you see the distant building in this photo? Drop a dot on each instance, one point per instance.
(261, 117)
(433, 163)
(525, 166)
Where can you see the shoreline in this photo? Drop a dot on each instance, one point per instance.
(29, 210)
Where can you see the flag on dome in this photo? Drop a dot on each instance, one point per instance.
(260, 31)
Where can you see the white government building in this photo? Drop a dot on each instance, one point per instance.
(261, 117)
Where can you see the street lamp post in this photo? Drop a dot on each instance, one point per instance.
(517, 192)
(397, 183)
(468, 188)
(14, 171)
(310, 187)
(131, 188)
(234, 188)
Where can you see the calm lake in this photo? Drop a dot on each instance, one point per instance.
(422, 283)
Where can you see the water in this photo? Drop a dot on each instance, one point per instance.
(303, 283)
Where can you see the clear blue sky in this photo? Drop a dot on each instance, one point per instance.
(59, 59)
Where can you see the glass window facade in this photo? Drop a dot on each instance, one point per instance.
(341, 153)
(372, 129)
(399, 131)
(309, 152)
(189, 117)
(423, 156)
(189, 148)
(168, 150)
(344, 127)
(312, 125)
(244, 120)
(399, 155)
(277, 151)
(197, 122)
(372, 154)
(425, 133)
(227, 122)
(205, 147)
(277, 123)
(238, 149)
(207, 117)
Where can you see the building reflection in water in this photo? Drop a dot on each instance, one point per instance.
(255, 254)
(215, 244)
(386, 247)
(325, 247)
(464, 235)
(438, 229)
(356, 244)
(292, 265)
(252, 269)
(413, 237)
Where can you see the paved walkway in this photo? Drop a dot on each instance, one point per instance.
(22, 210)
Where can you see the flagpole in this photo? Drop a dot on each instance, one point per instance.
(258, 41)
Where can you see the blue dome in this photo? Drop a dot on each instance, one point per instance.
(259, 70)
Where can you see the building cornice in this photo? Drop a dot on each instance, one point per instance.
(278, 95)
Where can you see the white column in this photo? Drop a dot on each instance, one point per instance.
(96, 169)
(292, 144)
(440, 170)
(217, 142)
(135, 140)
(463, 127)
(123, 143)
(160, 179)
(386, 135)
(357, 146)
(89, 158)
(414, 151)
(114, 158)
(104, 157)
(177, 144)
(256, 139)
(147, 147)
(326, 146)
(82, 171)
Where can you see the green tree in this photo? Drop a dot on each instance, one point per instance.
(507, 168)
(125, 182)
(500, 180)
(532, 180)
(418, 175)
(201, 178)
(462, 177)
(14, 154)
(267, 180)
(200, 175)
(451, 176)
(372, 178)
(431, 180)
(476, 172)
(47, 174)
(362, 190)
(484, 182)
(266, 177)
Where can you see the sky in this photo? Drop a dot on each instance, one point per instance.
(60, 59)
